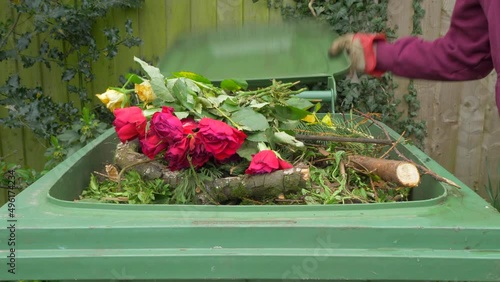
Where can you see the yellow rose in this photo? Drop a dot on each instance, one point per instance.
(145, 92)
(112, 98)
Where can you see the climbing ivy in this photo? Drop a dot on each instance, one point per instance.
(412, 126)
(63, 34)
(366, 93)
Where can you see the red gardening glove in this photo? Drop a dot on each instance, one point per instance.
(361, 48)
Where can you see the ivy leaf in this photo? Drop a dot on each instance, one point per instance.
(233, 84)
(157, 81)
(128, 27)
(68, 136)
(24, 41)
(68, 74)
(251, 119)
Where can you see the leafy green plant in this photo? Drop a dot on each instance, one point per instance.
(133, 190)
(14, 174)
(74, 138)
(64, 35)
(493, 190)
(58, 35)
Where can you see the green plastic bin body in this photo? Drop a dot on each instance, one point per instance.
(443, 234)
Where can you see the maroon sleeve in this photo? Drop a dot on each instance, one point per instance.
(462, 54)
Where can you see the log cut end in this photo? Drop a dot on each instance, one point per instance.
(408, 174)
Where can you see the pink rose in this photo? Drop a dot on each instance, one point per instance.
(266, 161)
(219, 138)
(129, 123)
(167, 126)
(152, 144)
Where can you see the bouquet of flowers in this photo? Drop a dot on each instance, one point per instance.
(190, 122)
(202, 133)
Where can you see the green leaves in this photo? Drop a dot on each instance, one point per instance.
(157, 81)
(133, 78)
(192, 76)
(290, 113)
(233, 84)
(250, 119)
(135, 190)
(186, 97)
(24, 41)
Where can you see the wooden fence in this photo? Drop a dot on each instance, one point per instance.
(462, 120)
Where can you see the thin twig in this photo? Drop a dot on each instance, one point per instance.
(310, 5)
(393, 145)
(342, 139)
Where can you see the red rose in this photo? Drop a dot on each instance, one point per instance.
(129, 123)
(177, 155)
(167, 126)
(219, 138)
(189, 125)
(198, 153)
(266, 161)
(152, 145)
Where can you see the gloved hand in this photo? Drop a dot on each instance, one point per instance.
(362, 50)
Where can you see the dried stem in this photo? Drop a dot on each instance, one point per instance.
(342, 139)
(310, 5)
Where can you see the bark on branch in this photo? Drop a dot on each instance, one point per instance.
(399, 172)
(256, 187)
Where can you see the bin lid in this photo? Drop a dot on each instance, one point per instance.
(289, 50)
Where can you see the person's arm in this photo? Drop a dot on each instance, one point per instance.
(462, 54)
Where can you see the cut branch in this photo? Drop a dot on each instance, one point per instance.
(256, 187)
(399, 172)
(422, 168)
